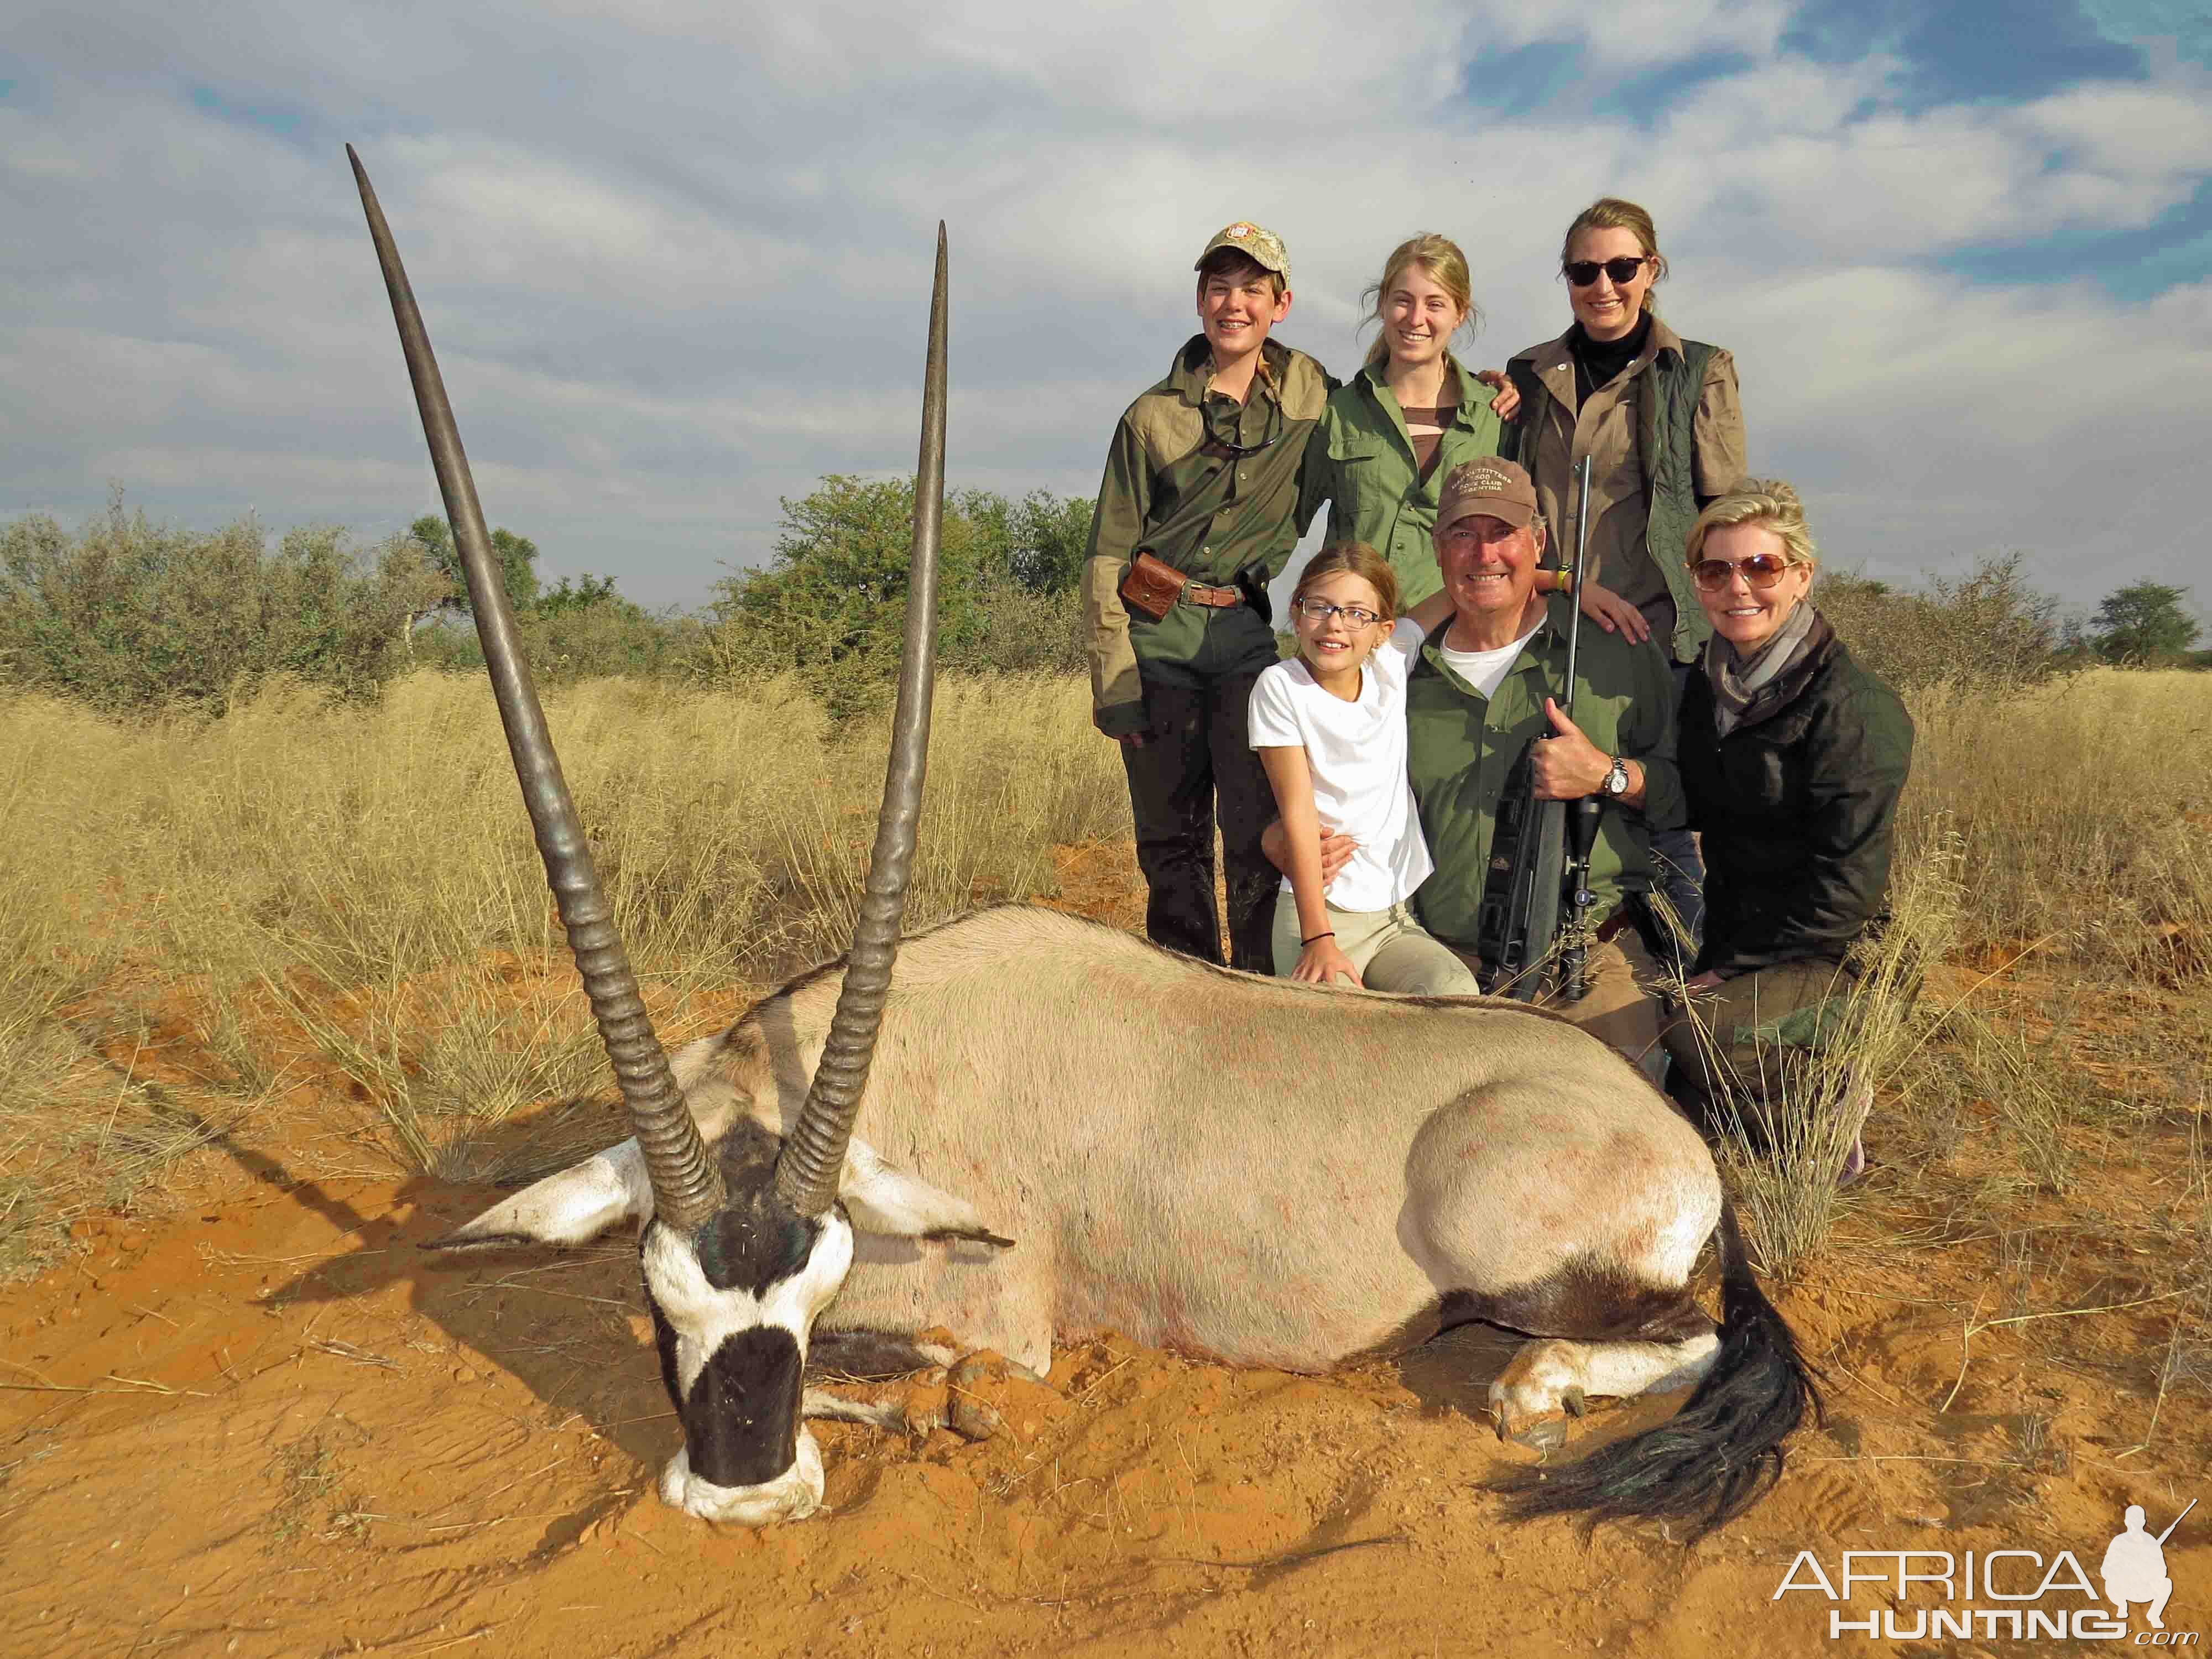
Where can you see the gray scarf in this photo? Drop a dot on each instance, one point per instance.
(1746, 686)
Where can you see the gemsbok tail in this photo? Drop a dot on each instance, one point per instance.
(1717, 1455)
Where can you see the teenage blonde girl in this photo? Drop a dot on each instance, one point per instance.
(1394, 431)
(1330, 728)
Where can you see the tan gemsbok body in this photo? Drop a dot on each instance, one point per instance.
(1019, 1126)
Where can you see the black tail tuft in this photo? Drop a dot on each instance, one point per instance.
(1717, 1455)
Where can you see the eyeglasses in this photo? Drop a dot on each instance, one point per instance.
(1320, 611)
(1583, 272)
(1761, 570)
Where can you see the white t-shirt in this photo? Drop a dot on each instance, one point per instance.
(1485, 671)
(1357, 753)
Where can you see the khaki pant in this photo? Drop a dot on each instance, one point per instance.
(1389, 948)
(1750, 1034)
(1622, 1007)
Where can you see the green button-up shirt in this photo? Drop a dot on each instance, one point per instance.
(1461, 747)
(1364, 467)
(1176, 487)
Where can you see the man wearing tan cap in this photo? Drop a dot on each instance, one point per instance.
(1487, 682)
(1198, 511)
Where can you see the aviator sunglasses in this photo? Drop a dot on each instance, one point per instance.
(1583, 272)
(1761, 570)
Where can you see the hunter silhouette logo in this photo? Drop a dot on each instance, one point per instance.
(2000, 1595)
(2134, 1568)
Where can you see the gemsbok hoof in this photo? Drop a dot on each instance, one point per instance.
(991, 1394)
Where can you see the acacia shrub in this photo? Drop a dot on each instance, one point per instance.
(1988, 632)
(583, 631)
(128, 613)
(830, 605)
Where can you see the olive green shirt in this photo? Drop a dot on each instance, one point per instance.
(1364, 467)
(1176, 487)
(1461, 749)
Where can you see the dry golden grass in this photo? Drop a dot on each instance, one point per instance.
(367, 874)
(2085, 809)
(362, 877)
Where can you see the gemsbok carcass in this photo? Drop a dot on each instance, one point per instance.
(1019, 1125)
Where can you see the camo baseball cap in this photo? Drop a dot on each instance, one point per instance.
(1495, 489)
(1263, 247)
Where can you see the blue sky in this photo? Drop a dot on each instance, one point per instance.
(674, 253)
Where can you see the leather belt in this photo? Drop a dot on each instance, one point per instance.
(1219, 598)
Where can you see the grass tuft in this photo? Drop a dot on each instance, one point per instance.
(1785, 1170)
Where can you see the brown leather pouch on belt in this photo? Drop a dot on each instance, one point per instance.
(1151, 588)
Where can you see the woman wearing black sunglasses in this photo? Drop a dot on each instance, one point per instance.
(1659, 418)
(1792, 758)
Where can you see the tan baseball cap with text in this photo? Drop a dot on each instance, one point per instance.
(1488, 485)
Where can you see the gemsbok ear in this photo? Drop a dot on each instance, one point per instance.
(609, 1190)
(888, 1201)
(574, 1207)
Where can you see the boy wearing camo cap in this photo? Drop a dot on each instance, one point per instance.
(1204, 475)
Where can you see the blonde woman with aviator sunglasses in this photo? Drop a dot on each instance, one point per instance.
(1792, 757)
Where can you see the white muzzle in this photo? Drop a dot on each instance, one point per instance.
(792, 1496)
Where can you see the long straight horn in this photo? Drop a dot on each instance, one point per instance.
(806, 1172)
(687, 1185)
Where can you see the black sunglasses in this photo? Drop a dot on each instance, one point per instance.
(1583, 272)
(1238, 451)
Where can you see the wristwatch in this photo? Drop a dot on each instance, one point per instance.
(1616, 782)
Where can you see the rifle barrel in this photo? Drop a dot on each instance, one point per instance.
(2177, 1520)
(1574, 583)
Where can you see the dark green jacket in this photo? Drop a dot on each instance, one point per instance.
(1798, 811)
(1174, 487)
(1459, 750)
(1364, 466)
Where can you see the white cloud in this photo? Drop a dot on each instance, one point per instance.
(675, 254)
(1651, 34)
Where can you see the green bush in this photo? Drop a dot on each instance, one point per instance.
(128, 613)
(564, 643)
(831, 604)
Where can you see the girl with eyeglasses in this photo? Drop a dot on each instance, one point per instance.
(1792, 758)
(1330, 728)
(1659, 417)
